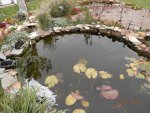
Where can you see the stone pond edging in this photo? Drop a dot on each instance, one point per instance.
(133, 40)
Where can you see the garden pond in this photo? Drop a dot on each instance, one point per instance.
(89, 72)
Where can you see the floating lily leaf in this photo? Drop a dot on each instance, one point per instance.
(79, 111)
(145, 67)
(140, 76)
(85, 103)
(83, 61)
(77, 95)
(91, 73)
(70, 100)
(51, 81)
(110, 94)
(132, 65)
(132, 59)
(121, 76)
(130, 72)
(78, 68)
(105, 75)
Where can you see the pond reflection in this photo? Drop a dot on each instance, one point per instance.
(32, 64)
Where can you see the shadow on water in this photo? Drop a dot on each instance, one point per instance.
(58, 55)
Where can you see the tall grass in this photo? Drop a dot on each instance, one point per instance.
(24, 102)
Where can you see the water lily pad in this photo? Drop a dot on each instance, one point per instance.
(130, 72)
(78, 68)
(140, 76)
(91, 73)
(110, 94)
(79, 111)
(104, 75)
(85, 103)
(51, 81)
(145, 66)
(121, 76)
(70, 100)
(77, 95)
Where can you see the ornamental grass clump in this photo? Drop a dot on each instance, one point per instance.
(24, 101)
(43, 19)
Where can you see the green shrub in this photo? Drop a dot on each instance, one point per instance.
(23, 102)
(12, 38)
(43, 19)
(21, 16)
(60, 8)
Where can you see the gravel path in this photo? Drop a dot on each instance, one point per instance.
(137, 18)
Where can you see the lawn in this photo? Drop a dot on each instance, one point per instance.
(12, 10)
(139, 3)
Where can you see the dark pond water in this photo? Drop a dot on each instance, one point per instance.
(59, 55)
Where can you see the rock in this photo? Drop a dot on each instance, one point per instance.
(117, 29)
(86, 27)
(146, 49)
(7, 81)
(7, 53)
(56, 29)
(141, 34)
(1, 72)
(141, 38)
(143, 46)
(34, 35)
(148, 34)
(79, 26)
(17, 52)
(2, 56)
(19, 28)
(134, 40)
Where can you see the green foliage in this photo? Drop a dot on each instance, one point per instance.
(86, 18)
(138, 3)
(43, 19)
(60, 8)
(21, 16)
(58, 22)
(12, 38)
(11, 11)
(23, 102)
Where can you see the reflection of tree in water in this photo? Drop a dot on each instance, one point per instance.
(88, 39)
(31, 64)
(49, 42)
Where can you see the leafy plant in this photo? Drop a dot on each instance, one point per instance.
(23, 102)
(58, 22)
(21, 15)
(60, 8)
(12, 38)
